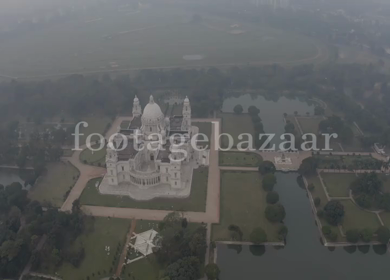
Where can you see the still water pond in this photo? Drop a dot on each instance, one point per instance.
(9, 176)
(271, 112)
(304, 257)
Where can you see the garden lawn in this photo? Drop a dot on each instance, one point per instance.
(319, 192)
(338, 184)
(239, 159)
(243, 202)
(385, 216)
(356, 218)
(144, 269)
(96, 124)
(97, 158)
(195, 202)
(385, 182)
(52, 186)
(204, 128)
(104, 232)
(234, 125)
(310, 124)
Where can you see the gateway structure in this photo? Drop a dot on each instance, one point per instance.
(153, 156)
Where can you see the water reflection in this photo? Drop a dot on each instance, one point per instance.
(350, 249)
(257, 251)
(364, 248)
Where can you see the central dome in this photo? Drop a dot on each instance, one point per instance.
(152, 112)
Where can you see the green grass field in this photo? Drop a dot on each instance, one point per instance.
(235, 125)
(104, 232)
(338, 184)
(154, 37)
(356, 218)
(53, 185)
(97, 158)
(96, 124)
(239, 159)
(195, 202)
(243, 204)
(319, 192)
(309, 125)
(385, 216)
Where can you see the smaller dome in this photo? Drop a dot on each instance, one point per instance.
(136, 100)
(186, 100)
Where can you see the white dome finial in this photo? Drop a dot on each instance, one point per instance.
(136, 99)
(151, 99)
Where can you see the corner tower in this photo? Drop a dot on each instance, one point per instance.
(136, 108)
(186, 125)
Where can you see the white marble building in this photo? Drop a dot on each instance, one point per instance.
(158, 160)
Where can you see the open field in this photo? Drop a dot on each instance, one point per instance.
(96, 124)
(338, 184)
(196, 202)
(309, 125)
(98, 158)
(356, 218)
(235, 125)
(239, 159)
(149, 38)
(385, 216)
(53, 185)
(241, 209)
(104, 232)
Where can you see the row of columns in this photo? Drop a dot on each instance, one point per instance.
(145, 182)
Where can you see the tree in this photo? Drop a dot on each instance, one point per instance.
(238, 109)
(311, 187)
(334, 212)
(352, 235)
(186, 268)
(317, 201)
(269, 181)
(282, 232)
(253, 110)
(319, 111)
(384, 202)
(363, 201)
(258, 236)
(212, 271)
(266, 167)
(366, 235)
(383, 234)
(275, 213)
(272, 197)
(308, 166)
(367, 183)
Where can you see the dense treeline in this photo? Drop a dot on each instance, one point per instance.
(346, 89)
(23, 224)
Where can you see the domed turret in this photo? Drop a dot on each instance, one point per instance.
(136, 107)
(152, 118)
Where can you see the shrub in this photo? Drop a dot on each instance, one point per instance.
(272, 197)
(269, 182)
(258, 236)
(275, 213)
(383, 234)
(238, 109)
(366, 235)
(352, 235)
(326, 230)
(311, 187)
(334, 212)
(282, 232)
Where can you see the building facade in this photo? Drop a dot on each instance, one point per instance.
(153, 149)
